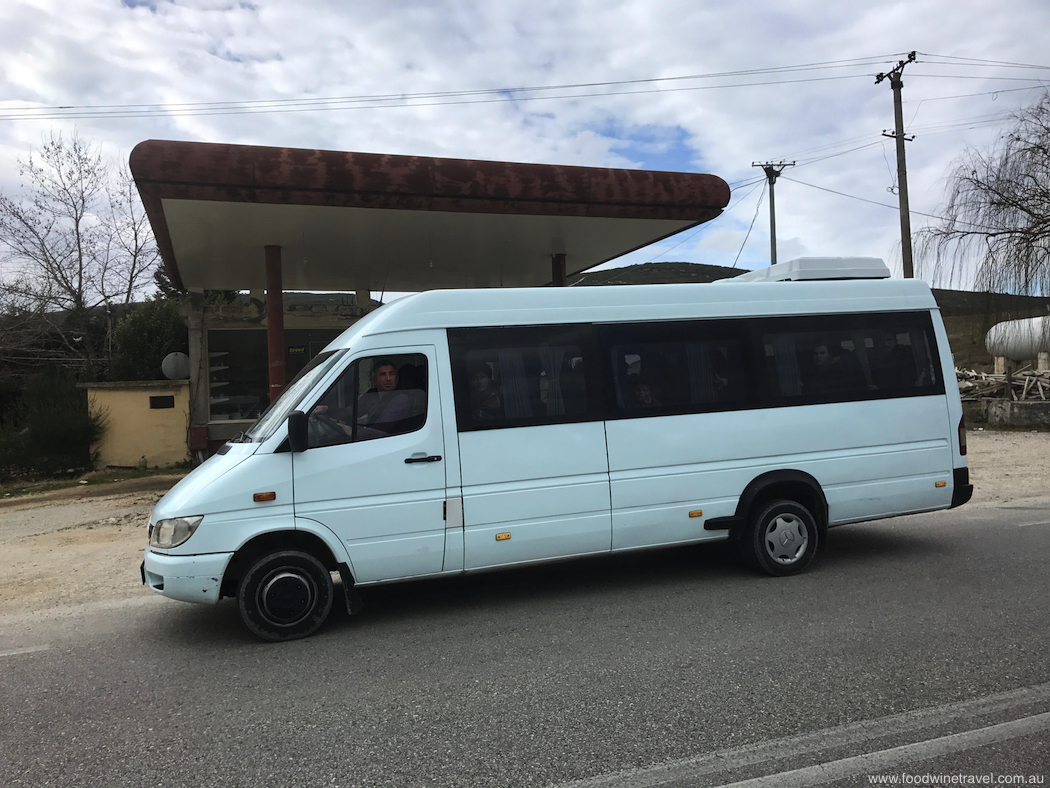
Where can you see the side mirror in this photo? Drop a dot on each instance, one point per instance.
(298, 431)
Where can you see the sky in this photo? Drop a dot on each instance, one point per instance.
(691, 86)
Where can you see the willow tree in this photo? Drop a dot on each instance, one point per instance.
(996, 227)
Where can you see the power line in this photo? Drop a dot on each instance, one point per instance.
(840, 153)
(927, 129)
(982, 93)
(375, 101)
(827, 146)
(754, 185)
(758, 207)
(960, 123)
(151, 111)
(477, 96)
(973, 121)
(745, 182)
(523, 88)
(1040, 80)
(980, 61)
(854, 197)
(881, 204)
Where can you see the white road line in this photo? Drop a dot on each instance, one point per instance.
(874, 762)
(1028, 525)
(851, 734)
(27, 650)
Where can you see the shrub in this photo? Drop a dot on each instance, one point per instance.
(49, 429)
(148, 333)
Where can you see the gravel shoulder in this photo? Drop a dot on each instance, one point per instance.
(85, 545)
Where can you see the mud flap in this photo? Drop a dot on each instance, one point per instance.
(354, 603)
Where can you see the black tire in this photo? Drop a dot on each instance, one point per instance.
(285, 595)
(780, 538)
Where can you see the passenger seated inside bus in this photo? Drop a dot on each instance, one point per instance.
(387, 408)
(485, 401)
(832, 370)
(892, 365)
(677, 376)
(644, 395)
(520, 383)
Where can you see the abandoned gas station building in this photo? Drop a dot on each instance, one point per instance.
(357, 225)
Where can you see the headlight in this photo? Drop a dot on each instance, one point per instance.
(173, 532)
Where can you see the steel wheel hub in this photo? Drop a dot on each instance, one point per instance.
(287, 596)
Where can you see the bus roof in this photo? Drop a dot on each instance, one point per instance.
(616, 304)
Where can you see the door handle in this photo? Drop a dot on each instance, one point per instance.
(421, 457)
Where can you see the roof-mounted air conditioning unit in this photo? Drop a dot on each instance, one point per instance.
(809, 269)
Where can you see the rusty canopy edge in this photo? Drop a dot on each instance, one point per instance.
(219, 172)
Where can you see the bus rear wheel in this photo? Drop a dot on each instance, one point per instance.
(285, 595)
(780, 538)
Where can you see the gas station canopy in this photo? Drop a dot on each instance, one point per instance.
(376, 222)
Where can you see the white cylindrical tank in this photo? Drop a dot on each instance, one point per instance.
(1019, 340)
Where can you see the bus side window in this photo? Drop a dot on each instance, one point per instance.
(839, 358)
(678, 376)
(507, 377)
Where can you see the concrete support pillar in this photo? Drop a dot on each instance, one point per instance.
(1042, 362)
(558, 270)
(192, 311)
(275, 320)
(1000, 366)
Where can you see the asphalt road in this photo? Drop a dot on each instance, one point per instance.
(913, 646)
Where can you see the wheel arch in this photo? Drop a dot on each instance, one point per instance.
(794, 485)
(273, 541)
(786, 483)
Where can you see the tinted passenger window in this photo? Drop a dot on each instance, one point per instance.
(374, 398)
(676, 367)
(837, 358)
(505, 377)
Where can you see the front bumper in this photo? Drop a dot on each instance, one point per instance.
(191, 578)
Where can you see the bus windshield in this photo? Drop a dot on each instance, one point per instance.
(293, 393)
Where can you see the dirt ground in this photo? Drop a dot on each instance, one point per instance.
(77, 546)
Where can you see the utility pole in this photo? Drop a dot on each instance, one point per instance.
(772, 170)
(902, 168)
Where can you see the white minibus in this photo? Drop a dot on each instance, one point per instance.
(461, 431)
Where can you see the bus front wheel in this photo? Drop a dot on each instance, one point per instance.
(780, 538)
(285, 595)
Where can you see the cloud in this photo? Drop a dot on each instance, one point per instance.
(190, 56)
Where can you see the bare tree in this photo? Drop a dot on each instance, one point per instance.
(132, 254)
(23, 329)
(76, 244)
(997, 219)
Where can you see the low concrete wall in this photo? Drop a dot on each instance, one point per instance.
(145, 418)
(1007, 413)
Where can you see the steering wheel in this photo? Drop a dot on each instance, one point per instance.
(324, 430)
